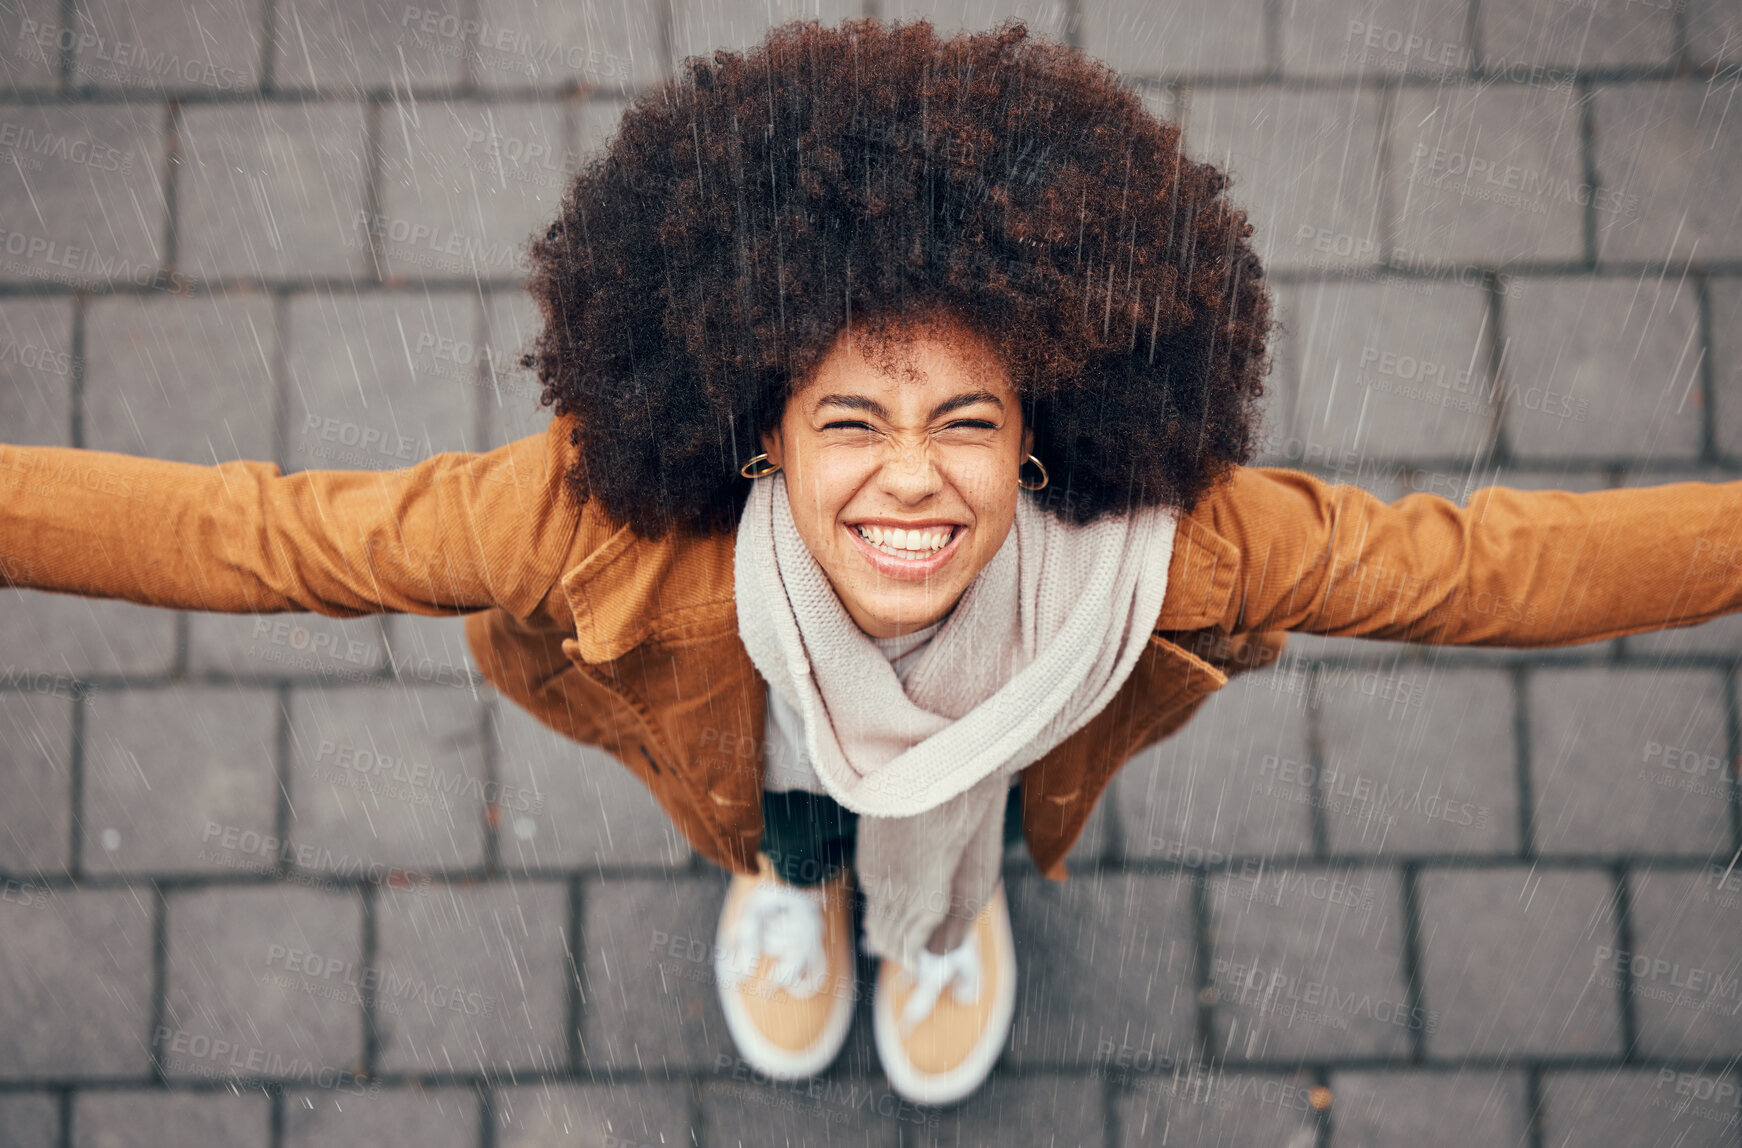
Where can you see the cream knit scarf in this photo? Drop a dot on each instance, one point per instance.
(1038, 644)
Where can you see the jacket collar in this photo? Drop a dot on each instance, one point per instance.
(631, 589)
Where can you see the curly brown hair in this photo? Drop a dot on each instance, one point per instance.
(747, 211)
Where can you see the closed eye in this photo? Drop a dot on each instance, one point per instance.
(973, 424)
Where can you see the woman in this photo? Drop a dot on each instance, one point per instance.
(895, 496)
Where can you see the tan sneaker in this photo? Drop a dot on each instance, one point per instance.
(783, 962)
(941, 1027)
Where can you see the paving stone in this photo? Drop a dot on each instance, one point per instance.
(699, 28)
(1427, 1108)
(334, 651)
(741, 1106)
(76, 966)
(1628, 759)
(1217, 1108)
(474, 979)
(1044, 18)
(358, 45)
(1013, 1110)
(1686, 960)
(184, 379)
(1552, 34)
(250, 966)
(211, 45)
(141, 1119)
(374, 380)
(82, 193)
(1714, 33)
(168, 772)
(1210, 791)
(567, 804)
(1725, 297)
(1304, 165)
(1102, 964)
(1424, 757)
(1719, 636)
(1507, 962)
(428, 1117)
(1620, 1108)
(273, 190)
(30, 33)
(1666, 159)
(510, 393)
(533, 42)
(36, 371)
(386, 778)
(68, 634)
(29, 1120)
(465, 186)
(1603, 367)
(1309, 963)
(36, 733)
(1379, 371)
(585, 1116)
(1523, 203)
(1374, 38)
(1190, 39)
(424, 650)
(642, 1006)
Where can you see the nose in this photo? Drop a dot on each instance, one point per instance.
(909, 473)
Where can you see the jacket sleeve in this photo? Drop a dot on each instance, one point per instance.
(1512, 568)
(457, 532)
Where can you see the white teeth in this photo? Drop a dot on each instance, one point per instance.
(902, 543)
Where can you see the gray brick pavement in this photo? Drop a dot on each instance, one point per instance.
(1629, 760)
(225, 220)
(78, 983)
(1501, 990)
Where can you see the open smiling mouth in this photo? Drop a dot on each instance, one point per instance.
(907, 552)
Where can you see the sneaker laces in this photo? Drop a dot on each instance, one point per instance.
(958, 970)
(786, 923)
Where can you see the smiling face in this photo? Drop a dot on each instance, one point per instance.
(901, 469)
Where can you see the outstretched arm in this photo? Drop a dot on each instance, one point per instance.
(1512, 568)
(455, 533)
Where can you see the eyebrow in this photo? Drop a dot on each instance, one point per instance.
(872, 406)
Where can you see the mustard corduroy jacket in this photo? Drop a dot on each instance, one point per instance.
(632, 645)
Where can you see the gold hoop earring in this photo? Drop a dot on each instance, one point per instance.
(1044, 477)
(745, 469)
